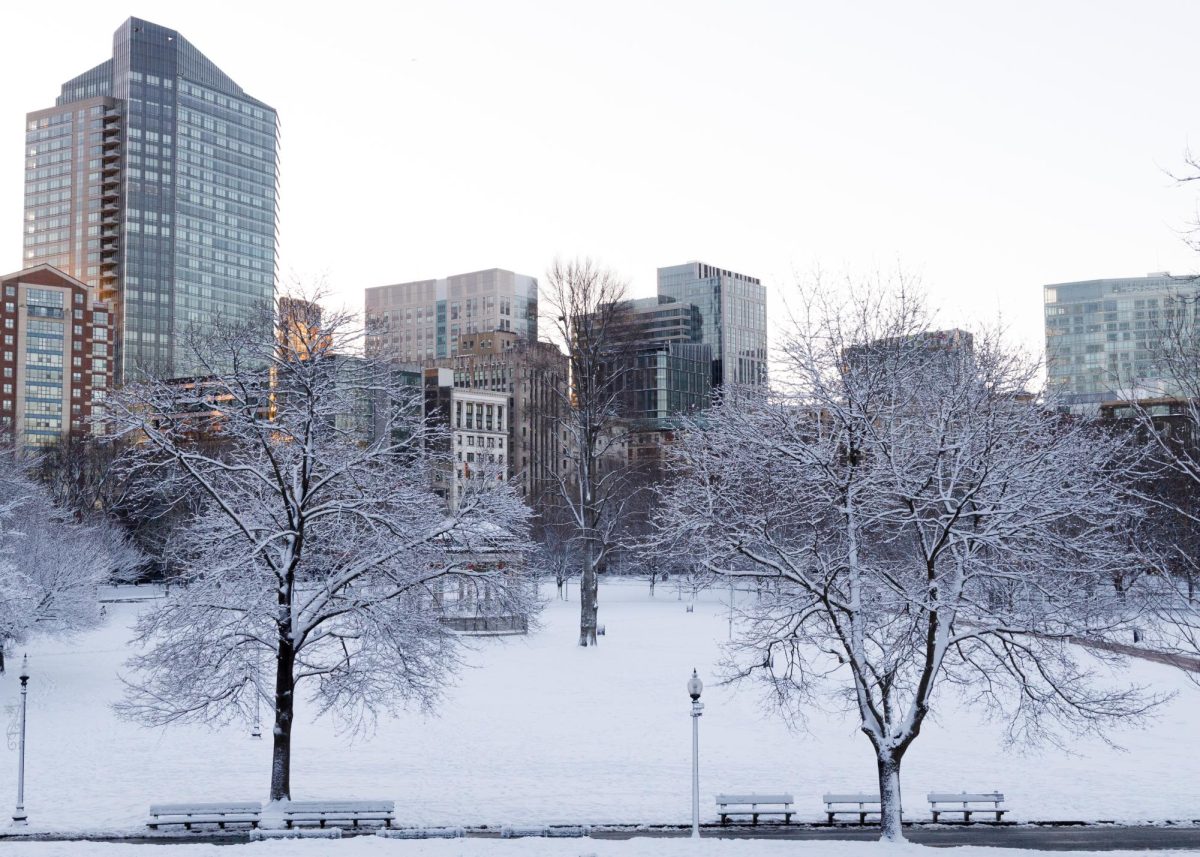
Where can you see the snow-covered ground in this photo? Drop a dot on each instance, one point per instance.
(540, 731)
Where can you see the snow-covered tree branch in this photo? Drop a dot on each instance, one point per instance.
(921, 522)
(50, 565)
(319, 555)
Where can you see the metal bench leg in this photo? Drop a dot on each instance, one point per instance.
(787, 818)
(967, 816)
(935, 816)
(862, 819)
(998, 817)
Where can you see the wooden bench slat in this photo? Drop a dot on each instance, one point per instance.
(353, 811)
(340, 806)
(191, 808)
(861, 798)
(728, 799)
(992, 797)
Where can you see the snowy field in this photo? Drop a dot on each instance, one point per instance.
(540, 731)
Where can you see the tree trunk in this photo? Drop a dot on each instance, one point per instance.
(588, 604)
(285, 703)
(890, 816)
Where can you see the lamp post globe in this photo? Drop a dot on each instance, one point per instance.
(695, 686)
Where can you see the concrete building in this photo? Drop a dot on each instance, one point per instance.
(733, 318)
(1102, 335)
(423, 320)
(153, 179)
(56, 359)
(533, 375)
(477, 423)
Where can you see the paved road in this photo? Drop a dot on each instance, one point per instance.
(1034, 837)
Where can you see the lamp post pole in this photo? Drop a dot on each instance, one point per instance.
(19, 817)
(695, 686)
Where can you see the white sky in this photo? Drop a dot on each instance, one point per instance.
(989, 149)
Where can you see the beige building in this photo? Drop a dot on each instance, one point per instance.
(423, 320)
(533, 378)
(478, 432)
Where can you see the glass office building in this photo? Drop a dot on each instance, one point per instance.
(733, 318)
(154, 180)
(1102, 335)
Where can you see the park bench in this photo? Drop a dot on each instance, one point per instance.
(347, 812)
(754, 806)
(220, 814)
(860, 805)
(966, 803)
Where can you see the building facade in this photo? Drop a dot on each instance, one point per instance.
(733, 318)
(477, 432)
(56, 361)
(1102, 335)
(153, 179)
(533, 376)
(423, 320)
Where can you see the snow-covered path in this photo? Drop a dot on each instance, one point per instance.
(540, 731)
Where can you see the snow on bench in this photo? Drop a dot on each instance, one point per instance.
(966, 803)
(220, 814)
(346, 811)
(754, 806)
(861, 805)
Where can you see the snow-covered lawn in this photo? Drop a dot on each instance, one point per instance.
(540, 731)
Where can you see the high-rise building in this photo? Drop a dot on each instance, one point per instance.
(733, 318)
(423, 320)
(153, 179)
(1102, 335)
(660, 362)
(56, 358)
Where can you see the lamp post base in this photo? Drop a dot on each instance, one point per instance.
(20, 819)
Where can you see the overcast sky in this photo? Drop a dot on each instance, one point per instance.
(989, 150)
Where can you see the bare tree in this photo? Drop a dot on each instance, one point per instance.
(1168, 484)
(50, 565)
(320, 554)
(921, 524)
(589, 312)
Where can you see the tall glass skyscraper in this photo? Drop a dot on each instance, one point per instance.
(154, 180)
(733, 318)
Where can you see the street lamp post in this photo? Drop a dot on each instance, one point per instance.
(19, 817)
(694, 687)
